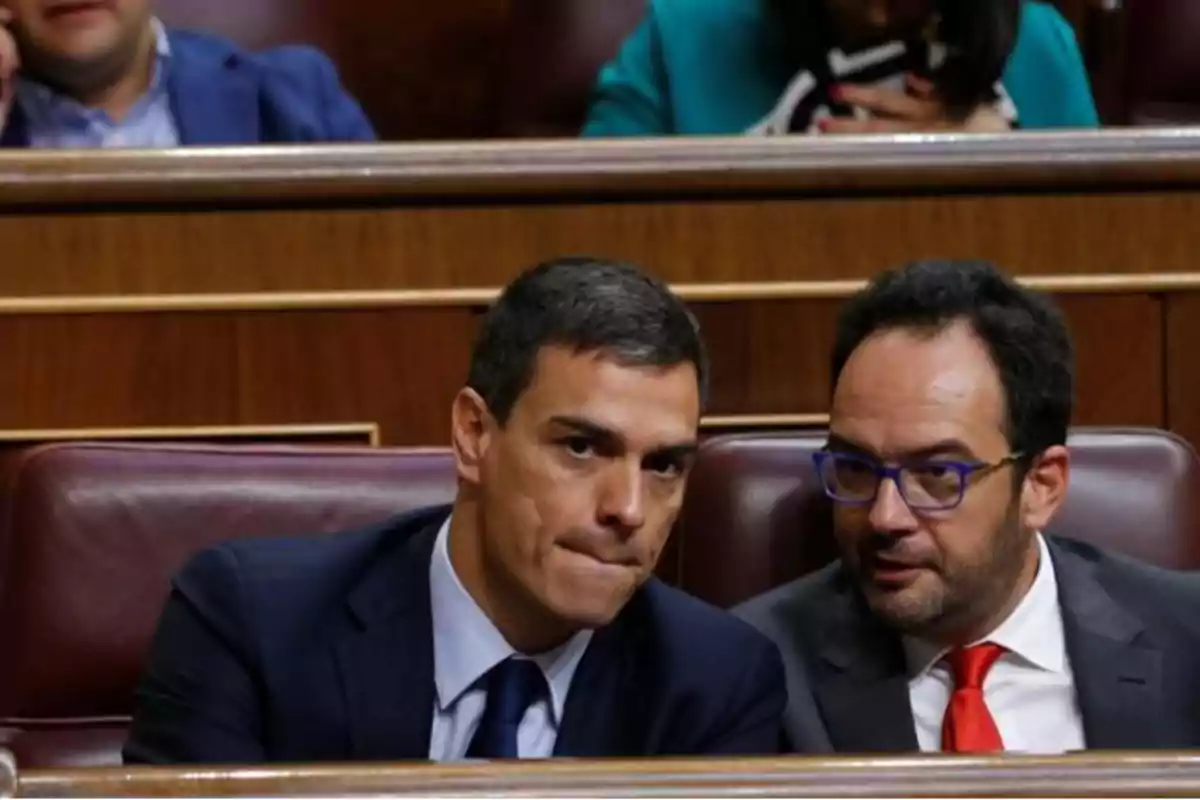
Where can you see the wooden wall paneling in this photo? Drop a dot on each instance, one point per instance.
(772, 356)
(112, 370)
(1120, 354)
(769, 357)
(400, 367)
(397, 368)
(1083, 774)
(686, 242)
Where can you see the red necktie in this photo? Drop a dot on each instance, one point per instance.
(968, 726)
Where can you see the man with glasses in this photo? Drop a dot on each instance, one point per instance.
(951, 623)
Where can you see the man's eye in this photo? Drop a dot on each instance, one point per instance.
(666, 467)
(932, 470)
(578, 446)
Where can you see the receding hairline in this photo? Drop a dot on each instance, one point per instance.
(926, 333)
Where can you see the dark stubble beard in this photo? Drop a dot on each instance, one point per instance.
(85, 80)
(965, 595)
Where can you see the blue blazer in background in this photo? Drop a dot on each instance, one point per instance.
(321, 649)
(720, 66)
(223, 95)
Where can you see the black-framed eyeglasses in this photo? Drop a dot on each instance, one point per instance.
(931, 485)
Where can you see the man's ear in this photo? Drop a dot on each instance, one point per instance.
(1045, 487)
(471, 429)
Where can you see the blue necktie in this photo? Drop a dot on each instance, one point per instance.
(512, 686)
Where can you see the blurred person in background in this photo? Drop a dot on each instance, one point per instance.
(108, 73)
(779, 67)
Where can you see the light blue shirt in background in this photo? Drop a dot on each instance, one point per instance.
(55, 120)
(466, 645)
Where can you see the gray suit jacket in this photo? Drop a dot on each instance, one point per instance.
(1132, 634)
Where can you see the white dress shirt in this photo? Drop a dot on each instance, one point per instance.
(1031, 689)
(466, 645)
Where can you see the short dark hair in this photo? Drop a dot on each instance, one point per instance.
(979, 35)
(588, 304)
(1023, 331)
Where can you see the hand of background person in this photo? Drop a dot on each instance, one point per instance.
(916, 111)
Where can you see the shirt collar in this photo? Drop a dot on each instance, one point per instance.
(1033, 632)
(38, 101)
(466, 645)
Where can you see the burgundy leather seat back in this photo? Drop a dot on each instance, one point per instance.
(91, 534)
(553, 53)
(756, 517)
(1162, 61)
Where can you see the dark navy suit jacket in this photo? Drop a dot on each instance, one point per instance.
(222, 95)
(321, 649)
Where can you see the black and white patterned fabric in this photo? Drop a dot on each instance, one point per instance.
(806, 100)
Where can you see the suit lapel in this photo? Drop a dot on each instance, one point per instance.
(1118, 675)
(386, 661)
(213, 102)
(602, 700)
(861, 682)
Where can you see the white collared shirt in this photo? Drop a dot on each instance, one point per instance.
(1031, 689)
(466, 645)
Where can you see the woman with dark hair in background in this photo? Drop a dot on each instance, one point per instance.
(843, 66)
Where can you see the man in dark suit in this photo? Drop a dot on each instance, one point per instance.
(524, 620)
(106, 73)
(951, 623)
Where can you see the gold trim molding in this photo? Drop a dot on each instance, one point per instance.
(368, 430)
(1150, 283)
(751, 422)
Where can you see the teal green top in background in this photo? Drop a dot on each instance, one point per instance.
(720, 66)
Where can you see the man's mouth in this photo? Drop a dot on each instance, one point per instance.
(76, 9)
(894, 572)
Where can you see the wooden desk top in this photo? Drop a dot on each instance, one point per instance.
(1116, 159)
(1084, 774)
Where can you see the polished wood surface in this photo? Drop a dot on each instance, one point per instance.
(398, 369)
(1081, 775)
(341, 435)
(339, 285)
(772, 357)
(554, 170)
(399, 220)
